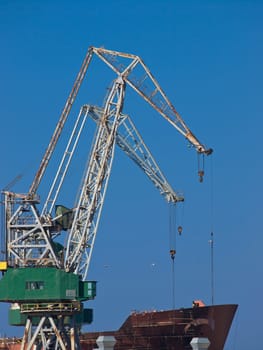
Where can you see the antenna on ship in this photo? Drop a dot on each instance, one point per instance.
(211, 241)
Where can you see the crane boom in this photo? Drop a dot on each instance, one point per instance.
(130, 141)
(116, 128)
(88, 210)
(143, 82)
(60, 125)
(139, 77)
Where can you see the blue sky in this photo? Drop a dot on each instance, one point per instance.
(207, 56)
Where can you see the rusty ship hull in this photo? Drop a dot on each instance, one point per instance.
(170, 329)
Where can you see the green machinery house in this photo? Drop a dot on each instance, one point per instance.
(35, 289)
(39, 284)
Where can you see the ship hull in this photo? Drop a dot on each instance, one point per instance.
(170, 329)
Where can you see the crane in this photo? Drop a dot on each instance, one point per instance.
(44, 280)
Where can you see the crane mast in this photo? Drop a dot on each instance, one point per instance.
(52, 278)
(95, 183)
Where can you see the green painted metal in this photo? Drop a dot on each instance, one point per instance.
(65, 217)
(39, 284)
(86, 317)
(88, 289)
(18, 318)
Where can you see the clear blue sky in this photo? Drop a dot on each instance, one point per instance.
(207, 56)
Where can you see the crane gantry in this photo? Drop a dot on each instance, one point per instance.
(51, 279)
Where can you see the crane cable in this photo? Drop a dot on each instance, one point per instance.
(211, 241)
(201, 166)
(173, 229)
(201, 173)
(172, 233)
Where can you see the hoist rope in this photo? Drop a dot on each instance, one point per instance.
(212, 232)
(172, 226)
(173, 285)
(172, 234)
(201, 166)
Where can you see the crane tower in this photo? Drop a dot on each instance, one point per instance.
(45, 281)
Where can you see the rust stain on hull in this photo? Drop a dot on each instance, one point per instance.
(170, 330)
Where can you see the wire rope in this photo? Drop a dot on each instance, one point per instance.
(212, 271)
(172, 234)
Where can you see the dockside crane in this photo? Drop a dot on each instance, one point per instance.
(44, 280)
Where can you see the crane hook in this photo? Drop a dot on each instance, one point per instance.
(201, 163)
(201, 174)
(172, 253)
